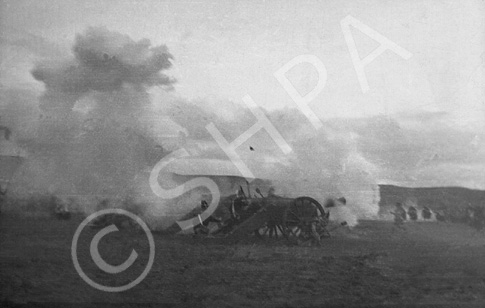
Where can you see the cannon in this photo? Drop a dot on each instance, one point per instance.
(299, 220)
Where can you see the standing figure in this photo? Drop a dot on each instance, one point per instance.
(477, 220)
(203, 227)
(401, 211)
(271, 192)
(426, 213)
(399, 215)
(3, 192)
(413, 213)
(239, 206)
(240, 209)
(440, 215)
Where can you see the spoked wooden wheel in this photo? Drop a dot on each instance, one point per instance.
(305, 221)
(271, 230)
(273, 226)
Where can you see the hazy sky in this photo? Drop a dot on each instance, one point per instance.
(226, 49)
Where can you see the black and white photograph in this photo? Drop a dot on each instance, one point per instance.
(260, 153)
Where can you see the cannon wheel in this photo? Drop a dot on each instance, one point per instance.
(270, 229)
(304, 220)
(273, 228)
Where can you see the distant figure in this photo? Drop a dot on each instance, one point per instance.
(440, 216)
(3, 192)
(240, 210)
(203, 227)
(413, 213)
(62, 212)
(271, 192)
(239, 204)
(399, 215)
(426, 213)
(477, 219)
(251, 148)
(470, 214)
(6, 132)
(480, 216)
(103, 205)
(204, 206)
(103, 220)
(401, 211)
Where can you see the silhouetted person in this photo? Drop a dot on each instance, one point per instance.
(239, 205)
(399, 215)
(203, 228)
(271, 192)
(401, 211)
(241, 209)
(204, 206)
(413, 213)
(3, 192)
(478, 219)
(103, 220)
(6, 132)
(426, 213)
(440, 216)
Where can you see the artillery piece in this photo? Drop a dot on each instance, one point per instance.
(300, 220)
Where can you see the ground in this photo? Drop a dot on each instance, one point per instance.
(375, 264)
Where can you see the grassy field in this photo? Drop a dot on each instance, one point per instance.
(375, 264)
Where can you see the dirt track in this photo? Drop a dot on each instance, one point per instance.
(373, 265)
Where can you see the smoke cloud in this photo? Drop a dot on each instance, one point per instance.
(104, 61)
(95, 133)
(93, 130)
(323, 164)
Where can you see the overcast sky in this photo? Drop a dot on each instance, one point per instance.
(224, 50)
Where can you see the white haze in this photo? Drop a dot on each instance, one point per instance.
(95, 132)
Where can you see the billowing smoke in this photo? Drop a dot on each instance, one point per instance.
(103, 62)
(323, 164)
(96, 134)
(93, 131)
